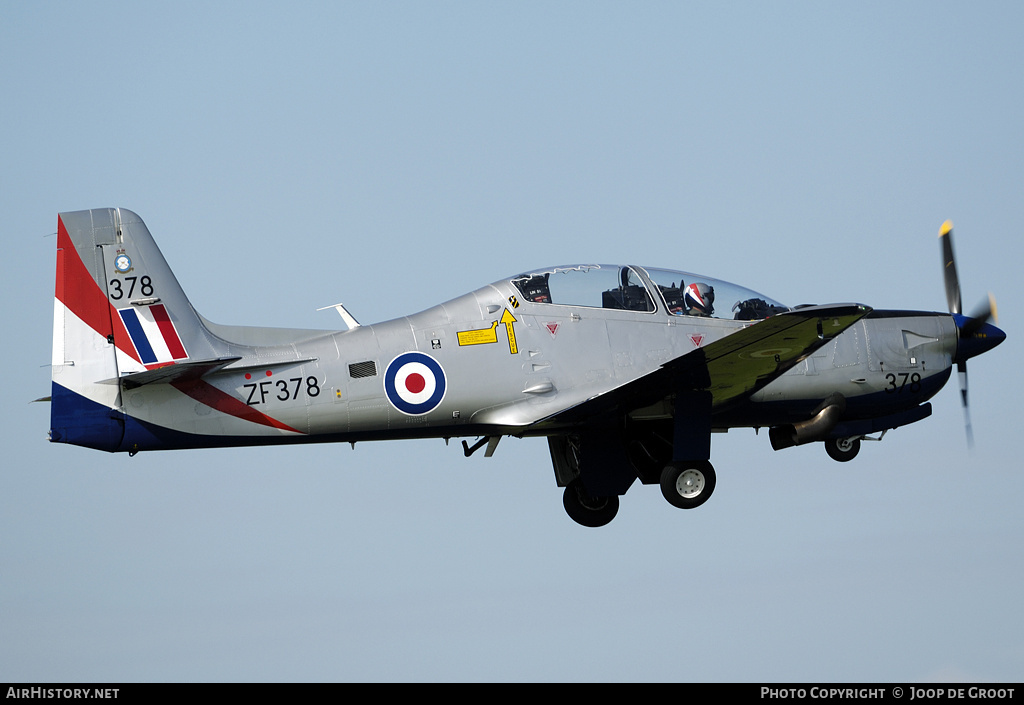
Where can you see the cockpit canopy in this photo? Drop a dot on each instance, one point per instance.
(644, 289)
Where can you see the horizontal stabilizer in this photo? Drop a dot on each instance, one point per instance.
(181, 371)
(267, 364)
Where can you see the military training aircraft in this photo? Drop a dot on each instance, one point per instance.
(626, 370)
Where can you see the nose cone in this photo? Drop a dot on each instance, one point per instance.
(974, 337)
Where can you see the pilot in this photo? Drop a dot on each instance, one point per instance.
(699, 299)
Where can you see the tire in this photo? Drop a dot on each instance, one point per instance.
(842, 450)
(688, 484)
(586, 510)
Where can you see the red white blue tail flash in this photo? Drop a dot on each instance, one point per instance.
(153, 334)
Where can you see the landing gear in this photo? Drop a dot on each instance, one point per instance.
(843, 449)
(586, 510)
(688, 484)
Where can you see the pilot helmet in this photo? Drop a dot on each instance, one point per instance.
(700, 299)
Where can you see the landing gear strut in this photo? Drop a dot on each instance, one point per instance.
(687, 484)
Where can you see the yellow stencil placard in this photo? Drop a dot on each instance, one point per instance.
(481, 336)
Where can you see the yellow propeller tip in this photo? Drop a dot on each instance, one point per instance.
(946, 228)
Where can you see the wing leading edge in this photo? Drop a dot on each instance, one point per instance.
(731, 368)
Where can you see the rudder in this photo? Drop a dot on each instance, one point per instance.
(118, 309)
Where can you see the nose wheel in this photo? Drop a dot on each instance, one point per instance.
(688, 484)
(842, 449)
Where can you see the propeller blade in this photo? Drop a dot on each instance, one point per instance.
(949, 268)
(961, 368)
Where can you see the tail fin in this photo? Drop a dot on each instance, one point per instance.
(118, 310)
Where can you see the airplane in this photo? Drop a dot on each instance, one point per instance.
(625, 370)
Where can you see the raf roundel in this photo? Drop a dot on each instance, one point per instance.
(414, 383)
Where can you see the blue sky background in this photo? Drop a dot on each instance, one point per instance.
(394, 155)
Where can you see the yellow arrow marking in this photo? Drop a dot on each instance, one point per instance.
(508, 319)
(480, 336)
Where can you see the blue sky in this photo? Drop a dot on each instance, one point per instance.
(394, 155)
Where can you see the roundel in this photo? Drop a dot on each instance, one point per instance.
(414, 383)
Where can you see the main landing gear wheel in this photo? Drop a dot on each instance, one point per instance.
(586, 510)
(688, 484)
(842, 449)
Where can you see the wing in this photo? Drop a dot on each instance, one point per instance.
(731, 368)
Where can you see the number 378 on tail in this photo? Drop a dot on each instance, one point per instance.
(625, 370)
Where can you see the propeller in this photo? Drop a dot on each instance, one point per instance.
(974, 333)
